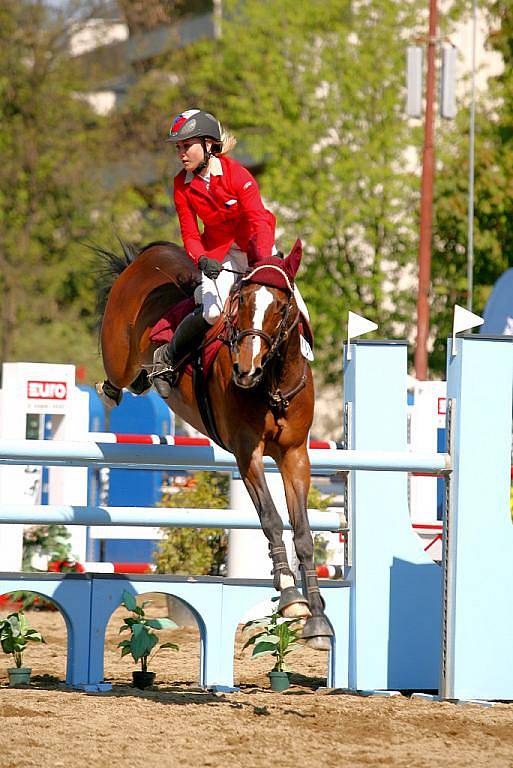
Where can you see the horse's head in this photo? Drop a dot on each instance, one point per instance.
(266, 309)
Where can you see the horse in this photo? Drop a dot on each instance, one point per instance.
(260, 389)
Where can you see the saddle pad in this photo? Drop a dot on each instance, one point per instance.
(162, 333)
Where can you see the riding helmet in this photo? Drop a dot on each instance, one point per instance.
(194, 123)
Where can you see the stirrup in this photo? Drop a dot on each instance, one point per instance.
(162, 369)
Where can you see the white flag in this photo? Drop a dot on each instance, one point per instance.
(463, 320)
(357, 326)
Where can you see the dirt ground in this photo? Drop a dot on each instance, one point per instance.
(178, 724)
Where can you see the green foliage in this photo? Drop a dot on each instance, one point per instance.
(195, 550)
(274, 636)
(49, 145)
(320, 501)
(52, 540)
(15, 635)
(143, 641)
(493, 228)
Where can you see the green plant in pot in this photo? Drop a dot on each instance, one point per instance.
(143, 643)
(276, 637)
(15, 635)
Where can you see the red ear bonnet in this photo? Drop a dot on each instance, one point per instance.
(293, 260)
(274, 275)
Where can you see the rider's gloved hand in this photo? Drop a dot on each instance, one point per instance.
(210, 267)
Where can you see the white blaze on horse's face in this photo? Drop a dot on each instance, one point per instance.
(263, 300)
(248, 365)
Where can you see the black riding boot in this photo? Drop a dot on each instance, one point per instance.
(185, 339)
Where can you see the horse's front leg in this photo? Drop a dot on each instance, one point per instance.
(292, 604)
(295, 470)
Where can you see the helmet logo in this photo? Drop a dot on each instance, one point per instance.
(177, 124)
(189, 126)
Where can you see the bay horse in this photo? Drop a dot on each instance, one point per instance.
(260, 389)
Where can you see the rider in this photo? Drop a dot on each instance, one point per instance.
(225, 197)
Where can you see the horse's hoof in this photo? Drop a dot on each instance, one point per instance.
(319, 643)
(109, 402)
(317, 633)
(296, 611)
(293, 604)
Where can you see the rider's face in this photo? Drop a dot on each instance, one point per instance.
(190, 153)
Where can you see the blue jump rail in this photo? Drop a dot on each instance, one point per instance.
(149, 516)
(167, 457)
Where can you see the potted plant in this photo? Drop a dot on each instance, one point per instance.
(278, 637)
(143, 641)
(15, 634)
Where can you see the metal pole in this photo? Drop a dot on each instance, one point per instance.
(471, 167)
(426, 204)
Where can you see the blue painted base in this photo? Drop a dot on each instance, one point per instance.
(87, 602)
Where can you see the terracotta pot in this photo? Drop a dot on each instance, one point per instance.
(143, 680)
(280, 681)
(19, 676)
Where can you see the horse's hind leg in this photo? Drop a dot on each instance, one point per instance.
(120, 351)
(295, 471)
(292, 603)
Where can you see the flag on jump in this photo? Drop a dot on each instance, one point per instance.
(463, 320)
(357, 326)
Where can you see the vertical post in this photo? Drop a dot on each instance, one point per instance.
(477, 632)
(471, 166)
(426, 204)
(395, 587)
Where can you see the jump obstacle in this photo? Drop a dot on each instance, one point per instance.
(401, 622)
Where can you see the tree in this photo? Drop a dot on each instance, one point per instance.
(48, 193)
(493, 227)
(195, 550)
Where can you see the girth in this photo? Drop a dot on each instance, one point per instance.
(200, 386)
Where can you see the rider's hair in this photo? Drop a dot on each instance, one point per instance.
(228, 141)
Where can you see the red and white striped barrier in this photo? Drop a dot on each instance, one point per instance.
(330, 572)
(323, 571)
(93, 567)
(115, 437)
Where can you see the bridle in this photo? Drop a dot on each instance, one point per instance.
(274, 342)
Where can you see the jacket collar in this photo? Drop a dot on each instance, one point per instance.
(216, 169)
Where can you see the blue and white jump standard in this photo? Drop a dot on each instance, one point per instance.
(401, 622)
(477, 639)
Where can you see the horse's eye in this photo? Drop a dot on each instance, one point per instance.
(241, 299)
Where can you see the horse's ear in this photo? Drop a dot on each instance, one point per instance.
(293, 260)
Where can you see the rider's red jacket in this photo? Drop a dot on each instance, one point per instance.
(231, 210)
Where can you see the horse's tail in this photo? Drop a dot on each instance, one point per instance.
(137, 288)
(108, 268)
